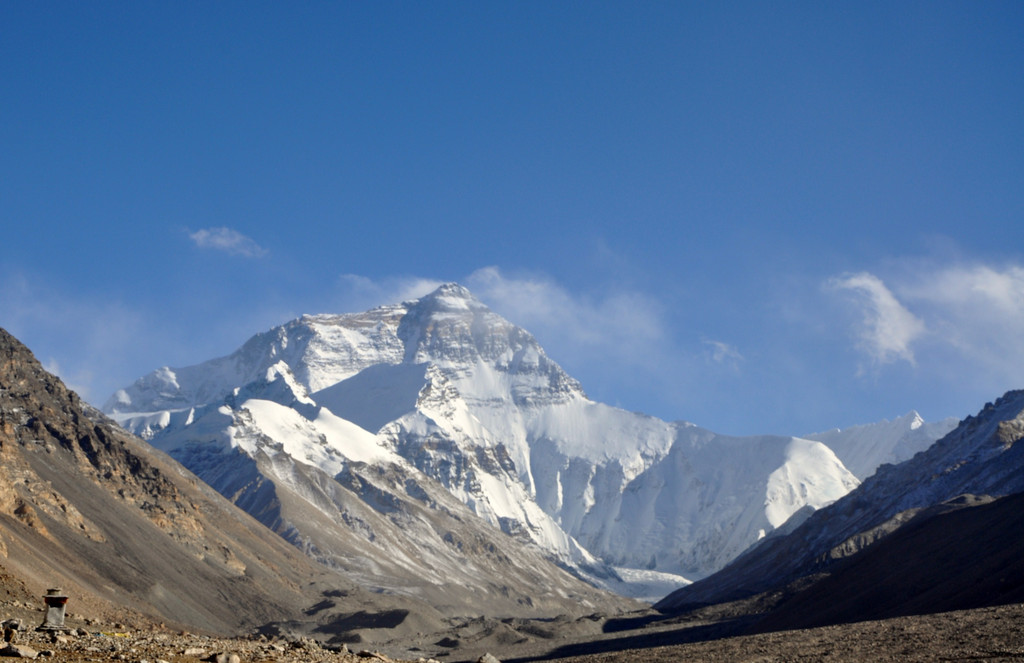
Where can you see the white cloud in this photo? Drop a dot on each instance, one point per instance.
(887, 329)
(723, 353)
(360, 293)
(615, 335)
(228, 240)
(961, 323)
(614, 340)
(977, 288)
(976, 311)
(623, 325)
(78, 383)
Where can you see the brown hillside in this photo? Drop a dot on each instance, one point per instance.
(119, 526)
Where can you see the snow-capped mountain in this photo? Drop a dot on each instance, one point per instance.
(983, 455)
(347, 501)
(441, 391)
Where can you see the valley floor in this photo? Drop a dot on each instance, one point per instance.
(985, 634)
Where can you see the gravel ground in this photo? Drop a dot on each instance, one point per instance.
(82, 646)
(986, 634)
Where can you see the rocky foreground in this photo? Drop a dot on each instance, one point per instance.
(81, 645)
(986, 634)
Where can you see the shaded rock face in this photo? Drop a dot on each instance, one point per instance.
(959, 555)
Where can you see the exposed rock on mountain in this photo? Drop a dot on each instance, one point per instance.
(330, 488)
(982, 456)
(393, 404)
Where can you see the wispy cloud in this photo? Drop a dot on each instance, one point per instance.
(619, 322)
(627, 326)
(95, 351)
(995, 294)
(98, 342)
(78, 383)
(887, 328)
(360, 292)
(719, 352)
(963, 321)
(607, 339)
(976, 311)
(227, 240)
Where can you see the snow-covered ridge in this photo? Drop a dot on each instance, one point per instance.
(981, 456)
(864, 448)
(444, 387)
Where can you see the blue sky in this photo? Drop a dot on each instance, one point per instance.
(759, 217)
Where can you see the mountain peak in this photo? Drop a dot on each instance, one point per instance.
(453, 289)
(451, 297)
(915, 419)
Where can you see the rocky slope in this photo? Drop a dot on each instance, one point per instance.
(441, 391)
(957, 555)
(88, 508)
(83, 643)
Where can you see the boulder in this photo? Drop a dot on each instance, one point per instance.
(18, 651)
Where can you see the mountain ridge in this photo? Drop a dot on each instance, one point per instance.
(981, 456)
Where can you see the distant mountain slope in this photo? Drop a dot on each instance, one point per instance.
(863, 448)
(982, 456)
(444, 388)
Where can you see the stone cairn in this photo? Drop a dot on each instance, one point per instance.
(56, 601)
